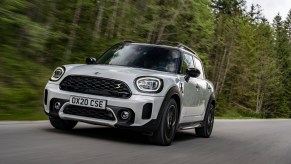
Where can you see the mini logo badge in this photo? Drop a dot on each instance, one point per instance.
(96, 73)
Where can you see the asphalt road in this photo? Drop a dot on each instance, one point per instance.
(232, 141)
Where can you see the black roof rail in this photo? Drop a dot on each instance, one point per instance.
(127, 41)
(180, 45)
(168, 42)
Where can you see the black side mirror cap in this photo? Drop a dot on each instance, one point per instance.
(91, 60)
(192, 72)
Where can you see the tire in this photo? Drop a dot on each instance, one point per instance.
(206, 130)
(166, 131)
(62, 124)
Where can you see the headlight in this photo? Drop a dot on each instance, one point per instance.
(58, 73)
(149, 84)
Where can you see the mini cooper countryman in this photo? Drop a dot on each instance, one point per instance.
(154, 89)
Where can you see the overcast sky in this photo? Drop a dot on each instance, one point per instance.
(272, 7)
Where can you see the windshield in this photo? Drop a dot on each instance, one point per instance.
(142, 56)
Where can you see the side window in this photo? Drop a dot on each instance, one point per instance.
(187, 62)
(199, 66)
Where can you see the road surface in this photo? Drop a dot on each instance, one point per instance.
(232, 141)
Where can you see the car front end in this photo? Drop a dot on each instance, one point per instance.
(119, 102)
(110, 94)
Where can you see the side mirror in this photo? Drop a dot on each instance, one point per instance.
(192, 72)
(91, 60)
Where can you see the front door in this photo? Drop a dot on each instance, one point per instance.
(192, 92)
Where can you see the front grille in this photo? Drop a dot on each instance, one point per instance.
(89, 112)
(96, 86)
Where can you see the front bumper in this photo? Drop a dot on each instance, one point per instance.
(135, 103)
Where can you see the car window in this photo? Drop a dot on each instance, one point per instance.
(187, 62)
(199, 66)
(143, 56)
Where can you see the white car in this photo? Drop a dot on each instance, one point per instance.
(155, 89)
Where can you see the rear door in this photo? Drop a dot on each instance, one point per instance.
(201, 89)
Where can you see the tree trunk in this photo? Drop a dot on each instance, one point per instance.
(73, 31)
(111, 22)
(220, 65)
(149, 35)
(98, 22)
(161, 32)
(50, 19)
(217, 50)
(122, 20)
(49, 23)
(260, 98)
(171, 22)
(261, 83)
(226, 67)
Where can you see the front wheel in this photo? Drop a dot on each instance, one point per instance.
(62, 124)
(206, 130)
(167, 128)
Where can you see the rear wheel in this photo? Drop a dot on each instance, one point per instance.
(167, 128)
(206, 130)
(62, 124)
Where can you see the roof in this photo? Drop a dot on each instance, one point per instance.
(179, 46)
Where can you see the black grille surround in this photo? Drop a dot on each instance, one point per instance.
(89, 112)
(95, 86)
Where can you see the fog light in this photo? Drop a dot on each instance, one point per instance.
(124, 115)
(57, 105)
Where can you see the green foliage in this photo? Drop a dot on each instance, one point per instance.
(21, 88)
(247, 59)
(249, 68)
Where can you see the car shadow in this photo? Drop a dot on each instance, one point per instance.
(184, 136)
(116, 135)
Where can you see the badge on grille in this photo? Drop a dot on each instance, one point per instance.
(118, 85)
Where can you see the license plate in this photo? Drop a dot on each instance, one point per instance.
(88, 102)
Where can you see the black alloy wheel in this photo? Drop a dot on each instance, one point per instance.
(166, 131)
(207, 128)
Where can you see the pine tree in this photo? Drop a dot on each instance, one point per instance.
(283, 54)
(287, 25)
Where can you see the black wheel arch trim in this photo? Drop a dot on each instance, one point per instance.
(210, 101)
(171, 92)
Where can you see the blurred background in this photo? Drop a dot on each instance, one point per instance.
(247, 57)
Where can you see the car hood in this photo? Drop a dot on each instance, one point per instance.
(112, 71)
(126, 74)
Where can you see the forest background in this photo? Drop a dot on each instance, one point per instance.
(247, 58)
